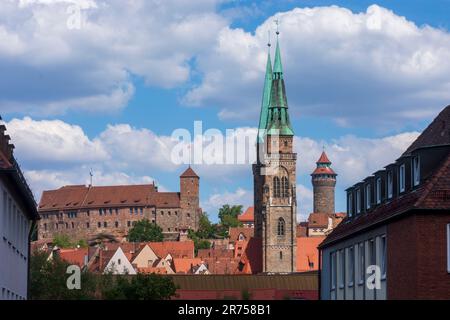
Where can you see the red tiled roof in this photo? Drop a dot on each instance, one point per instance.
(307, 253)
(184, 265)
(189, 173)
(74, 256)
(323, 158)
(318, 220)
(248, 215)
(323, 170)
(177, 249)
(155, 270)
(235, 232)
(302, 229)
(215, 253)
(222, 265)
(77, 197)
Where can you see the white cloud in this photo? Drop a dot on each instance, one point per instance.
(238, 197)
(90, 68)
(356, 68)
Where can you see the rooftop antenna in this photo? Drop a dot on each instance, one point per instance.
(91, 175)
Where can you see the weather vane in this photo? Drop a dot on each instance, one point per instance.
(277, 22)
(268, 43)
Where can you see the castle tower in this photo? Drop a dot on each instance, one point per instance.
(324, 182)
(189, 200)
(275, 176)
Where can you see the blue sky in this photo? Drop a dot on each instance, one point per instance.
(363, 78)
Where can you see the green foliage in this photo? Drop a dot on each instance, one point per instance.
(139, 287)
(63, 241)
(206, 229)
(228, 216)
(199, 243)
(82, 243)
(246, 295)
(145, 231)
(48, 280)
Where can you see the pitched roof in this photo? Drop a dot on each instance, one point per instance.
(222, 265)
(323, 158)
(189, 173)
(235, 232)
(302, 229)
(324, 170)
(185, 265)
(437, 133)
(318, 220)
(80, 196)
(215, 253)
(74, 256)
(155, 270)
(307, 253)
(177, 249)
(248, 215)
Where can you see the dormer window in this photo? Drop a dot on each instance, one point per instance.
(401, 179)
(378, 190)
(390, 184)
(358, 201)
(368, 190)
(416, 171)
(350, 204)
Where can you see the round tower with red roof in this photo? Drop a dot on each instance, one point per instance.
(324, 183)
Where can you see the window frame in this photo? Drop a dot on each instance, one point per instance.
(402, 178)
(358, 201)
(350, 204)
(351, 266)
(383, 256)
(333, 267)
(448, 247)
(416, 170)
(361, 263)
(368, 197)
(390, 184)
(342, 269)
(378, 190)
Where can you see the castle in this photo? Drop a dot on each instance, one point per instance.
(84, 212)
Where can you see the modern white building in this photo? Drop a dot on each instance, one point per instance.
(18, 214)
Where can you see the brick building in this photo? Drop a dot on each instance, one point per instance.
(399, 221)
(83, 212)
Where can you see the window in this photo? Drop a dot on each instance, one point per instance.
(416, 171)
(105, 224)
(281, 227)
(119, 262)
(368, 190)
(390, 184)
(100, 212)
(116, 224)
(402, 178)
(142, 211)
(358, 201)
(372, 257)
(281, 255)
(129, 223)
(73, 225)
(87, 225)
(276, 187)
(361, 263)
(131, 210)
(117, 211)
(99, 224)
(45, 226)
(350, 204)
(378, 190)
(383, 256)
(333, 270)
(351, 266)
(448, 248)
(285, 186)
(341, 269)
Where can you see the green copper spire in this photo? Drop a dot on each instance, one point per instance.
(278, 122)
(265, 100)
(278, 67)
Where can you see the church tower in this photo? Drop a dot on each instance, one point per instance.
(324, 182)
(275, 175)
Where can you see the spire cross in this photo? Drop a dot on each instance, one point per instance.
(277, 22)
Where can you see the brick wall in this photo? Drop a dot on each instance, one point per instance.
(417, 257)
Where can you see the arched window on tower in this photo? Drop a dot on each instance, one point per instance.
(276, 187)
(281, 227)
(285, 187)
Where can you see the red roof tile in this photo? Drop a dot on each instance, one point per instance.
(324, 170)
(74, 256)
(307, 253)
(177, 249)
(184, 265)
(234, 233)
(189, 173)
(318, 220)
(324, 159)
(248, 215)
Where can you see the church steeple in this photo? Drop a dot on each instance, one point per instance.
(278, 120)
(265, 100)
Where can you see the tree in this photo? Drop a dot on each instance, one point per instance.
(139, 287)
(206, 229)
(145, 231)
(229, 216)
(48, 280)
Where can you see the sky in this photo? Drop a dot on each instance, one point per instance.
(102, 86)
